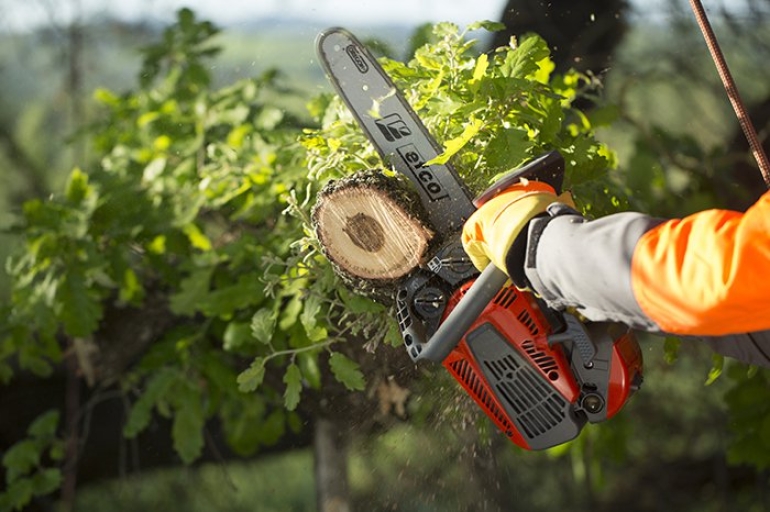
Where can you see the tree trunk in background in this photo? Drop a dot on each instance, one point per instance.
(582, 35)
(72, 411)
(331, 467)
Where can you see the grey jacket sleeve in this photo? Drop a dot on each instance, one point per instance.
(750, 348)
(575, 263)
(572, 262)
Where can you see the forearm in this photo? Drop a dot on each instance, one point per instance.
(586, 265)
(703, 275)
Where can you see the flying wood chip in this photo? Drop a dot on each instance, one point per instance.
(370, 227)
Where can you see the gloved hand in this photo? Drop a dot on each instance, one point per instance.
(490, 232)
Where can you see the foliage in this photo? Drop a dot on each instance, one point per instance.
(187, 206)
(750, 415)
(492, 113)
(26, 474)
(211, 487)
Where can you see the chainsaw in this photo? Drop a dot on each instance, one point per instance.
(539, 374)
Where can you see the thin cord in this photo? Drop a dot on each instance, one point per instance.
(732, 90)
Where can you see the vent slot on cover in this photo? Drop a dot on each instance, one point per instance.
(465, 373)
(545, 362)
(529, 400)
(527, 321)
(506, 297)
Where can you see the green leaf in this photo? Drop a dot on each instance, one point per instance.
(44, 427)
(46, 481)
(42, 215)
(273, 428)
(192, 291)
(130, 287)
(80, 307)
(269, 118)
(57, 451)
(21, 458)
(293, 380)
(187, 428)
(451, 147)
(716, 369)
(671, 349)
(157, 245)
(219, 373)
(482, 63)
(157, 388)
(524, 61)
(507, 149)
(263, 325)
(346, 371)
(30, 360)
(237, 335)
(310, 311)
(20, 493)
(196, 237)
(490, 26)
(225, 301)
(295, 422)
(106, 96)
(290, 313)
(186, 18)
(154, 170)
(77, 186)
(393, 337)
(239, 421)
(357, 304)
(308, 363)
(250, 379)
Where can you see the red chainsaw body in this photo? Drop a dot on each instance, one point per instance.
(532, 395)
(625, 372)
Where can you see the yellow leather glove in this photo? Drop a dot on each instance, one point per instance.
(489, 233)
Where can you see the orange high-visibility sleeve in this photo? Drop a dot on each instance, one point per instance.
(706, 274)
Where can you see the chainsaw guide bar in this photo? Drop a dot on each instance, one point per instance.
(393, 127)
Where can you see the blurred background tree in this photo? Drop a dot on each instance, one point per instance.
(680, 445)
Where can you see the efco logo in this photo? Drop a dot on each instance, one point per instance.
(393, 127)
(355, 55)
(425, 178)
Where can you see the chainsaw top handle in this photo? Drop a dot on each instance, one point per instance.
(547, 168)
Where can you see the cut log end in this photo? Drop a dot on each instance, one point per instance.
(371, 228)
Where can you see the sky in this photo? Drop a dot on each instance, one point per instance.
(23, 14)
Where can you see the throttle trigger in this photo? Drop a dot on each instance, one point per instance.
(576, 332)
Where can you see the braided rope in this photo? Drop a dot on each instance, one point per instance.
(732, 91)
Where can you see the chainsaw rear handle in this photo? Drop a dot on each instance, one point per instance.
(548, 168)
